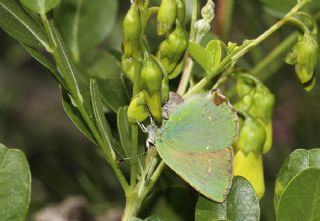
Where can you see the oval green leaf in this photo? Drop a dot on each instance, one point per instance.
(196, 143)
(241, 204)
(15, 184)
(301, 199)
(298, 161)
(201, 55)
(40, 6)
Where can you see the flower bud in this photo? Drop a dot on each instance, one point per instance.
(166, 16)
(132, 28)
(202, 27)
(244, 86)
(251, 137)
(164, 90)
(137, 110)
(245, 102)
(263, 102)
(132, 24)
(172, 48)
(307, 57)
(130, 66)
(207, 12)
(151, 75)
(154, 104)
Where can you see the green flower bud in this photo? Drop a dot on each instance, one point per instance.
(166, 16)
(251, 137)
(181, 10)
(244, 86)
(172, 48)
(263, 102)
(130, 66)
(164, 90)
(137, 110)
(132, 28)
(132, 24)
(306, 57)
(151, 75)
(245, 102)
(154, 104)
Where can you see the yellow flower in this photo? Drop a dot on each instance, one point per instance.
(250, 166)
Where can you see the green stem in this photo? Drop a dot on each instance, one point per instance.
(246, 47)
(134, 136)
(134, 151)
(189, 63)
(133, 204)
(155, 176)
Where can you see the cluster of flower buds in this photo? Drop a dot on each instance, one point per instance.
(255, 136)
(203, 25)
(304, 56)
(151, 74)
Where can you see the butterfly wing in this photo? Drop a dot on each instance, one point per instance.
(195, 143)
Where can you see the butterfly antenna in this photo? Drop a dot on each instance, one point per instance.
(132, 157)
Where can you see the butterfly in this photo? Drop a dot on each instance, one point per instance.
(195, 142)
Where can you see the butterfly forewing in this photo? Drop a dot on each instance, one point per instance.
(195, 143)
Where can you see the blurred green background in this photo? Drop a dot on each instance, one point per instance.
(64, 163)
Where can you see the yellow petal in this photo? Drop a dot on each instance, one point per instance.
(250, 167)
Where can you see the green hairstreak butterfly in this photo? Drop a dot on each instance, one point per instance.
(196, 140)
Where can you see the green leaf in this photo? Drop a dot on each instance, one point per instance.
(241, 204)
(66, 67)
(201, 55)
(106, 70)
(101, 122)
(40, 6)
(215, 49)
(298, 161)
(18, 24)
(124, 130)
(75, 115)
(15, 184)
(301, 198)
(85, 24)
(36, 54)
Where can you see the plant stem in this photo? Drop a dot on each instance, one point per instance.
(134, 136)
(134, 151)
(246, 47)
(133, 204)
(189, 62)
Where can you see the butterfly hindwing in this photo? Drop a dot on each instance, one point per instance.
(195, 143)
